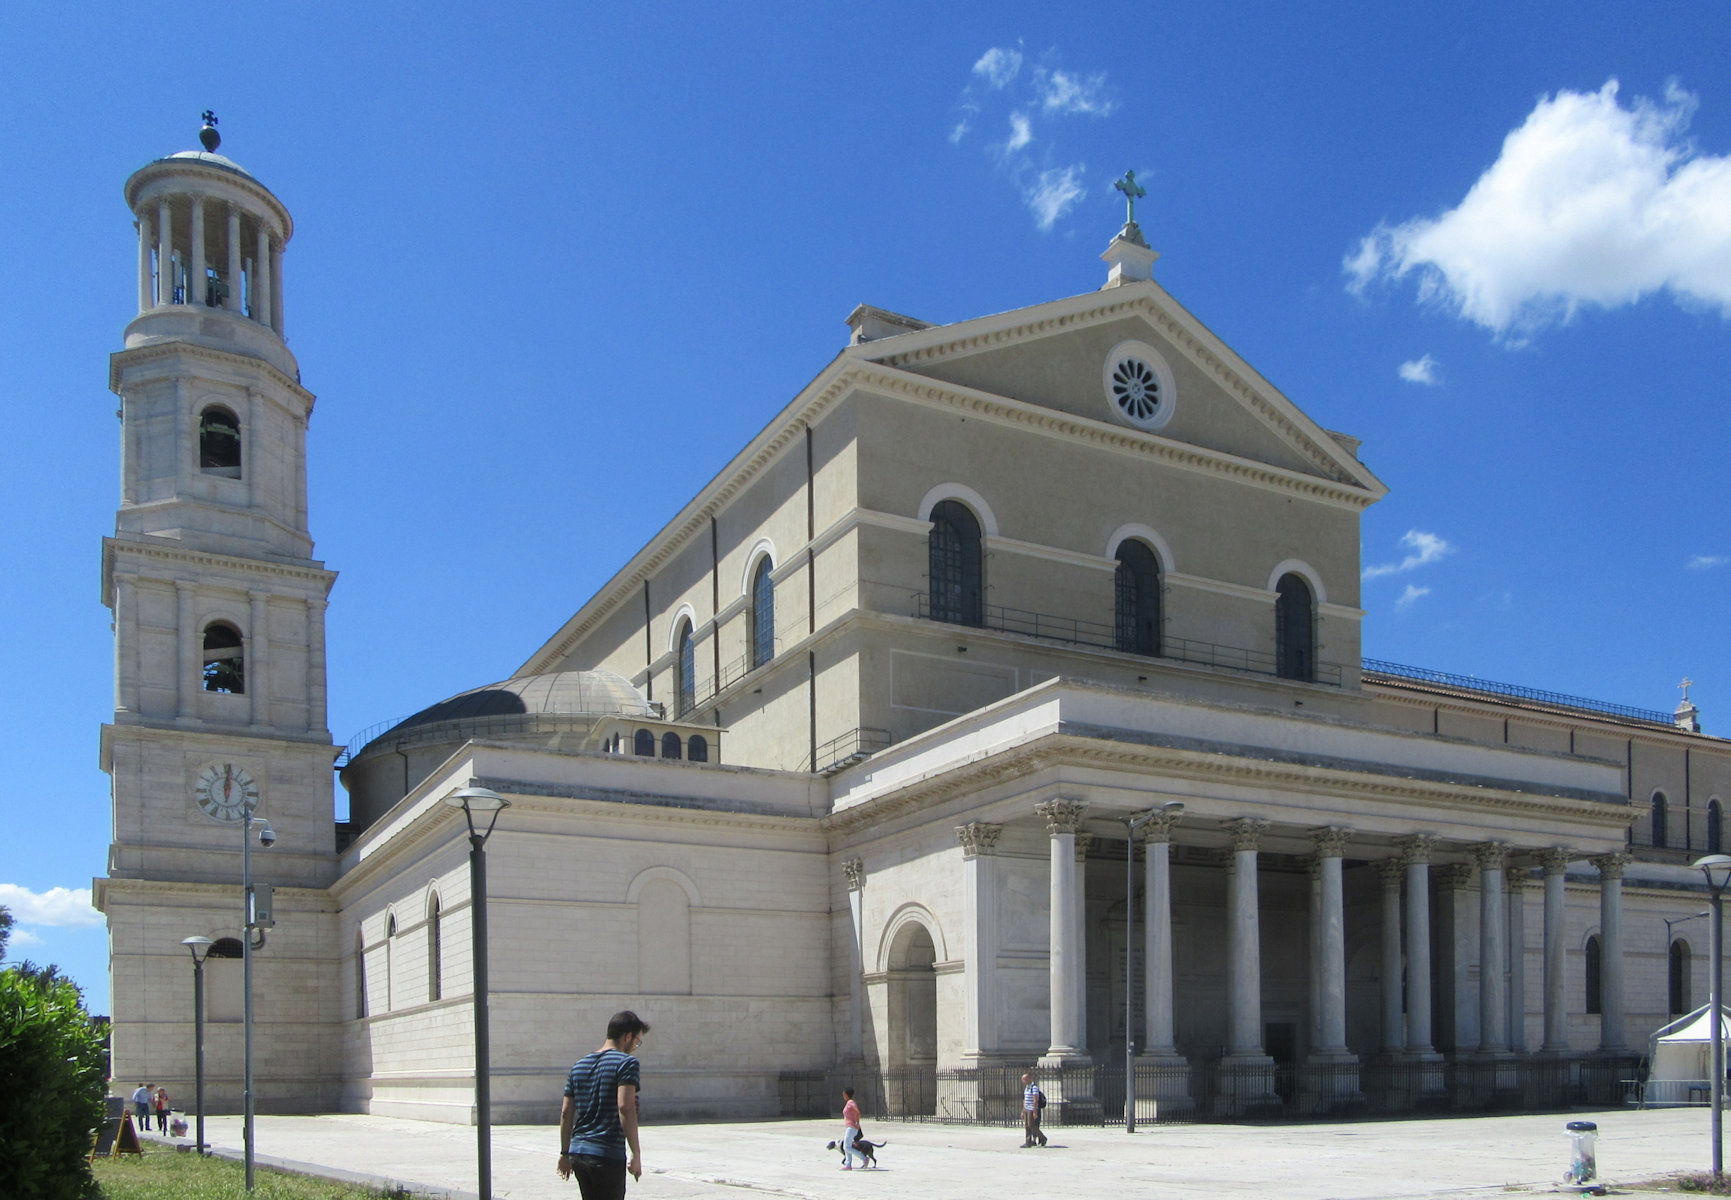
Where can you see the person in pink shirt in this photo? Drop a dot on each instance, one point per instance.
(850, 1130)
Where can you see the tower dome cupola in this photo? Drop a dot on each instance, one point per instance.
(210, 252)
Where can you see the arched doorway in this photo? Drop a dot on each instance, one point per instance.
(910, 1073)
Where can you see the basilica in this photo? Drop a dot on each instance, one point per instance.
(1000, 706)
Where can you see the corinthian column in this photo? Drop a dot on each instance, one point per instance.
(1611, 1033)
(1079, 975)
(980, 896)
(1331, 941)
(1556, 962)
(1416, 852)
(1493, 954)
(1063, 817)
(1157, 988)
(1243, 931)
(854, 869)
(1391, 871)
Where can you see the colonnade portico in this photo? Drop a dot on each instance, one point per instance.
(1329, 1068)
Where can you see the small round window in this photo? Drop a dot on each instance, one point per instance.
(1139, 385)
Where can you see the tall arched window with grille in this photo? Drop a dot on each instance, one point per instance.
(953, 558)
(1595, 976)
(1715, 828)
(1660, 830)
(685, 686)
(435, 952)
(1294, 629)
(224, 659)
(1679, 977)
(1137, 588)
(762, 614)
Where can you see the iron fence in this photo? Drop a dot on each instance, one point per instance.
(1171, 1092)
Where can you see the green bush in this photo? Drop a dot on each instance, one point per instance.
(52, 1059)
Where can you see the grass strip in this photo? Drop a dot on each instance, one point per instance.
(171, 1175)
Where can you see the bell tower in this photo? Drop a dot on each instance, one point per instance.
(219, 645)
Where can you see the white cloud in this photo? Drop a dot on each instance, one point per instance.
(999, 66)
(960, 131)
(1706, 562)
(1020, 133)
(1053, 193)
(1064, 93)
(1409, 597)
(1588, 204)
(1421, 370)
(1426, 548)
(56, 906)
(18, 939)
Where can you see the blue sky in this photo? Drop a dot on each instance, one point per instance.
(553, 266)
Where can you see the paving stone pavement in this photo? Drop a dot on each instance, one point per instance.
(1388, 1160)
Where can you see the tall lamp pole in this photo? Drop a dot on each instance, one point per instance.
(1717, 869)
(249, 918)
(199, 947)
(473, 800)
(1131, 824)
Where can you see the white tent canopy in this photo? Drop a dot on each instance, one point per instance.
(1681, 1070)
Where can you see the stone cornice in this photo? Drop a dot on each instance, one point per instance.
(1061, 749)
(1121, 439)
(138, 356)
(117, 549)
(1203, 349)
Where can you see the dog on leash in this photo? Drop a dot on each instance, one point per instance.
(866, 1150)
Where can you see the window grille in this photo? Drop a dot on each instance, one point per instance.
(1137, 584)
(1294, 629)
(762, 614)
(954, 565)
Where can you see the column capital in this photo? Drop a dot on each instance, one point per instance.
(1159, 827)
(1491, 856)
(1330, 840)
(1416, 848)
(1062, 815)
(1454, 875)
(854, 869)
(978, 837)
(1555, 860)
(1611, 865)
(1246, 832)
(1083, 841)
(1515, 878)
(1391, 870)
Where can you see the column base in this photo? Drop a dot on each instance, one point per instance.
(1067, 1077)
(1488, 1079)
(1162, 1086)
(1246, 1087)
(1329, 1082)
(1430, 1084)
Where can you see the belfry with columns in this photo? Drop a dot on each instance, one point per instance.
(999, 708)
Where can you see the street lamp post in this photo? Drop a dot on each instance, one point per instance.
(1131, 824)
(267, 839)
(199, 947)
(1717, 869)
(474, 800)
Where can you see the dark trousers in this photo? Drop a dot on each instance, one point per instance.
(1031, 1127)
(599, 1178)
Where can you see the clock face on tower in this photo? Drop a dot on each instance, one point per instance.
(226, 792)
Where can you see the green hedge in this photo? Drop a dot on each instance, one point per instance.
(52, 1060)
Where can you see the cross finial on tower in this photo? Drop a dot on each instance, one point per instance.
(1133, 192)
(208, 137)
(1686, 685)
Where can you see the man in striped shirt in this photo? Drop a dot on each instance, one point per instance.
(1033, 1100)
(598, 1119)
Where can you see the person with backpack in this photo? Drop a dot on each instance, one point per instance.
(1033, 1100)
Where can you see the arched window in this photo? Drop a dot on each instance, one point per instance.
(1294, 629)
(1659, 823)
(670, 745)
(1595, 969)
(1137, 585)
(762, 614)
(226, 948)
(643, 744)
(685, 683)
(953, 554)
(1715, 828)
(697, 748)
(435, 954)
(219, 442)
(224, 659)
(1679, 974)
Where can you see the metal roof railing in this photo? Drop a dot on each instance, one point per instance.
(1514, 691)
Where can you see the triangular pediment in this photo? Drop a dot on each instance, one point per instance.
(1055, 356)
